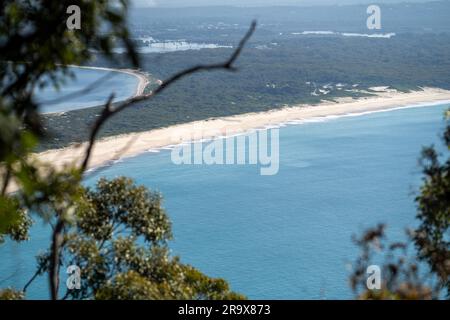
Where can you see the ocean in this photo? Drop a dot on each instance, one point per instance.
(286, 236)
(102, 82)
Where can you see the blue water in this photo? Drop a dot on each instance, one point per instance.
(286, 236)
(103, 83)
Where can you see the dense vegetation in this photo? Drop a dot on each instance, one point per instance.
(405, 276)
(116, 234)
(271, 75)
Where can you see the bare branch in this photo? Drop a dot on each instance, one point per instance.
(108, 112)
(118, 153)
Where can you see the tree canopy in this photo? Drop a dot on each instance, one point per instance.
(117, 234)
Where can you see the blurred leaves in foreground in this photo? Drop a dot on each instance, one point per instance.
(117, 233)
(422, 273)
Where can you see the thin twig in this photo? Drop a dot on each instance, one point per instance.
(107, 113)
(37, 273)
(116, 156)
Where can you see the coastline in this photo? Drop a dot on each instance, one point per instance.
(143, 79)
(114, 148)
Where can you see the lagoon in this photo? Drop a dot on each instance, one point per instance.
(103, 82)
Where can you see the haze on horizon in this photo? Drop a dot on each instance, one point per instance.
(242, 3)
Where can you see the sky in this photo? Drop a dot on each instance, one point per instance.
(183, 3)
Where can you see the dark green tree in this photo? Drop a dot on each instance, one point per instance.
(119, 241)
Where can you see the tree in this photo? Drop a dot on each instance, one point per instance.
(404, 278)
(119, 241)
(432, 237)
(401, 275)
(36, 49)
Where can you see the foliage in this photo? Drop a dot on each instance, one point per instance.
(432, 237)
(35, 49)
(117, 233)
(402, 276)
(119, 241)
(280, 75)
(11, 294)
(14, 221)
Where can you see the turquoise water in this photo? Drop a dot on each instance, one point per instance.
(289, 235)
(121, 84)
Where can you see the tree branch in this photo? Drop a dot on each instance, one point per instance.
(57, 240)
(36, 274)
(6, 180)
(108, 112)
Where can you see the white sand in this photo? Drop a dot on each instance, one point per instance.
(132, 144)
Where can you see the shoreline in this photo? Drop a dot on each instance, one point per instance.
(143, 82)
(143, 79)
(110, 149)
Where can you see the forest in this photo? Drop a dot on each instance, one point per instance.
(271, 75)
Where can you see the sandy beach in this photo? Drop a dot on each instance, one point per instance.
(113, 148)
